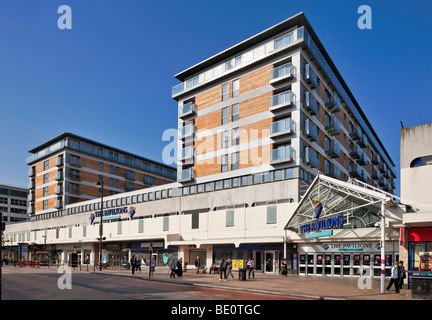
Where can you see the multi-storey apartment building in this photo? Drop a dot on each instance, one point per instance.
(13, 204)
(64, 171)
(257, 123)
(273, 106)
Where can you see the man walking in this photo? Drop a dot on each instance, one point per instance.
(173, 268)
(394, 277)
(251, 266)
(197, 264)
(229, 268)
(402, 274)
(133, 263)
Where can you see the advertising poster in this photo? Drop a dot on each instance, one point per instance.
(237, 264)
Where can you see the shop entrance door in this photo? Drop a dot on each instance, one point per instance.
(271, 258)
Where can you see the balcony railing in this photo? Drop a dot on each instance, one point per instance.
(311, 130)
(283, 99)
(282, 127)
(187, 131)
(355, 133)
(187, 110)
(283, 154)
(332, 148)
(185, 175)
(310, 157)
(187, 153)
(332, 125)
(355, 170)
(332, 171)
(354, 151)
(310, 76)
(284, 72)
(310, 103)
(333, 104)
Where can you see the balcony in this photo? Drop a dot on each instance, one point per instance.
(386, 174)
(285, 72)
(382, 167)
(282, 100)
(31, 197)
(281, 128)
(332, 125)
(185, 175)
(376, 159)
(31, 172)
(58, 204)
(362, 160)
(59, 162)
(187, 153)
(310, 103)
(283, 154)
(355, 170)
(58, 176)
(187, 131)
(310, 76)
(362, 142)
(310, 130)
(310, 157)
(187, 110)
(375, 174)
(31, 184)
(355, 133)
(354, 151)
(332, 148)
(333, 105)
(58, 190)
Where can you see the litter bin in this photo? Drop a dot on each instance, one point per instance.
(421, 287)
(242, 274)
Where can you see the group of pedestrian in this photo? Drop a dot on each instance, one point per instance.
(176, 268)
(135, 264)
(225, 269)
(397, 276)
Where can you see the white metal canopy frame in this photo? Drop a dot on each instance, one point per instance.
(358, 206)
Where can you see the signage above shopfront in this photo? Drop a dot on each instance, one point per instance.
(323, 224)
(111, 214)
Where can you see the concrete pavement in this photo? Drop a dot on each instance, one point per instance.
(309, 287)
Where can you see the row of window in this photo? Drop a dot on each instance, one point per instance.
(14, 202)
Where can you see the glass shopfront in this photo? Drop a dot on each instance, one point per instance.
(345, 259)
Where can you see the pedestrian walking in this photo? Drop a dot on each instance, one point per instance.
(394, 277)
(197, 264)
(223, 268)
(133, 262)
(251, 267)
(284, 267)
(180, 267)
(173, 268)
(138, 266)
(229, 268)
(152, 265)
(402, 274)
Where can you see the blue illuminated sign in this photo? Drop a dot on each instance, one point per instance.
(322, 224)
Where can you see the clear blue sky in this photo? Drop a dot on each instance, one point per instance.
(110, 77)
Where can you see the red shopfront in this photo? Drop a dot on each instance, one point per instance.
(419, 242)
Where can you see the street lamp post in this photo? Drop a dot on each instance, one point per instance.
(100, 186)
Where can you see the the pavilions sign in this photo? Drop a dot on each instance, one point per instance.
(113, 212)
(323, 224)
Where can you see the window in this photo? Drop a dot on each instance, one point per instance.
(224, 162)
(195, 220)
(244, 180)
(422, 161)
(192, 82)
(235, 112)
(235, 182)
(129, 174)
(218, 185)
(46, 165)
(236, 88)
(45, 204)
(45, 191)
(225, 92)
(288, 173)
(101, 166)
(233, 63)
(257, 178)
(140, 225)
(235, 137)
(200, 188)
(235, 161)
(277, 175)
(165, 223)
(129, 186)
(229, 218)
(271, 214)
(224, 139)
(266, 177)
(111, 169)
(227, 183)
(208, 186)
(45, 178)
(225, 115)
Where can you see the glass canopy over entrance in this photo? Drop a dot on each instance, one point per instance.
(333, 204)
